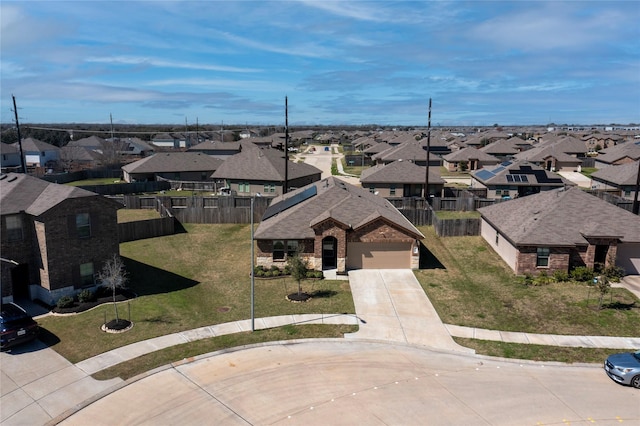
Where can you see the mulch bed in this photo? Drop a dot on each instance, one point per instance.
(295, 297)
(121, 295)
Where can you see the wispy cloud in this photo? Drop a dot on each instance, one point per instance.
(148, 61)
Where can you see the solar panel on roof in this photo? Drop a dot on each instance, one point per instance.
(524, 178)
(290, 202)
(509, 178)
(484, 174)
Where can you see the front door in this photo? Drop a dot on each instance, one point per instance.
(600, 257)
(20, 281)
(329, 253)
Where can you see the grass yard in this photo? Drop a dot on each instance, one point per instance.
(132, 215)
(99, 181)
(587, 171)
(445, 214)
(477, 289)
(186, 281)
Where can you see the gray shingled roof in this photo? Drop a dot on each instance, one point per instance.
(335, 199)
(23, 193)
(400, 172)
(561, 218)
(31, 145)
(540, 153)
(624, 174)
(414, 151)
(470, 153)
(262, 165)
(618, 152)
(174, 162)
(536, 175)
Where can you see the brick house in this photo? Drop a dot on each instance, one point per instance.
(560, 230)
(401, 179)
(55, 238)
(335, 225)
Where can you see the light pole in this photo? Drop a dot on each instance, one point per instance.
(253, 280)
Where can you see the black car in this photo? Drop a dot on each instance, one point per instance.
(16, 326)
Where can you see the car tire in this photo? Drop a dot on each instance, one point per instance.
(635, 382)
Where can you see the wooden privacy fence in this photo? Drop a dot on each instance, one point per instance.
(456, 227)
(150, 228)
(215, 209)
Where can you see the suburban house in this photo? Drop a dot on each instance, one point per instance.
(221, 150)
(255, 170)
(9, 157)
(505, 149)
(516, 178)
(550, 157)
(468, 158)
(620, 154)
(415, 151)
(75, 158)
(560, 230)
(620, 180)
(174, 141)
(54, 238)
(38, 154)
(401, 179)
(335, 225)
(182, 166)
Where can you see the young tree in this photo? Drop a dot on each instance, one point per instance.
(604, 286)
(298, 268)
(113, 276)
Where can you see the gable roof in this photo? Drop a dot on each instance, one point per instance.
(262, 165)
(91, 142)
(174, 162)
(618, 152)
(31, 145)
(408, 151)
(541, 153)
(470, 153)
(535, 175)
(624, 174)
(23, 193)
(561, 218)
(333, 199)
(400, 172)
(505, 146)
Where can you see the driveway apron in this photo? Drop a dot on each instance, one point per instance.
(392, 306)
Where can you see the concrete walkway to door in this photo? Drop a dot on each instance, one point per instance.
(393, 307)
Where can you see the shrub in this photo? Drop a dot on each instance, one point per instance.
(268, 274)
(613, 272)
(318, 274)
(287, 270)
(258, 269)
(259, 272)
(582, 273)
(275, 272)
(543, 278)
(65, 302)
(311, 274)
(86, 295)
(274, 268)
(528, 279)
(561, 276)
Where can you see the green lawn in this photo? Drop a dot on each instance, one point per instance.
(475, 288)
(587, 171)
(444, 214)
(99, 181)
(132, 215)
(186, 281)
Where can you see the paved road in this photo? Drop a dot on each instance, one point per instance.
(340, 382)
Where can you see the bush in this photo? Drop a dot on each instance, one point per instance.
(86, 295)
(274, 268)
(561, 276)
(275, 272)
(65, 302)
(311, 274)
(268, 274)
(613, 272)
(582, 273)
(259, 272)
(528, 279)
(258, 269)
(318, 274)
(543, 278)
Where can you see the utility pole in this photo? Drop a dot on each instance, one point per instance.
(426, 174)
(22, 160)
(636, 204)
(285, 189)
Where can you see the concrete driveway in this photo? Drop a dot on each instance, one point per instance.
(37, 384)
(337, 382)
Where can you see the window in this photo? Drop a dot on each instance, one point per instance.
(269, 187)
(372, 190)
(244, 187)
(542, 260)
(14, 228)
(292, 247)
(86, 274)
(83, 225)
(278, 250)
(392, 190)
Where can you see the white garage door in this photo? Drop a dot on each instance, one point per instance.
(628, 258)
(378, 255)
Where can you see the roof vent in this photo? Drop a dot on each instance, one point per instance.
(12, 178)
(3, 176)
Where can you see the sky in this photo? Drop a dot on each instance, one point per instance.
(355, 63)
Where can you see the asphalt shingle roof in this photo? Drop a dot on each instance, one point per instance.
(335, 199)
(400, 172)
(19, 192)
(561, 218)
(174, 162)
(624, 174)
